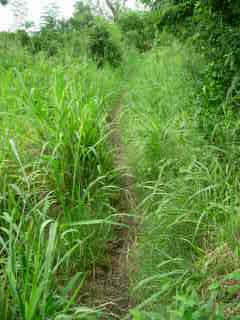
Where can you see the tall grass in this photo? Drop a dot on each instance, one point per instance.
(58, 184)
(189, 223)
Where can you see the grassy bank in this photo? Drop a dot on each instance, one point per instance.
(186, 257)
(61, 191)
(58, 184)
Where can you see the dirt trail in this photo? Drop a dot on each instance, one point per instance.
(109, 285)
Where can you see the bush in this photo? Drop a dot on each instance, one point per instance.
(132, 26)
(105, 44)
(213, 27)
(138, 29)
(82, 18)
(24, 38)
(47, 41)
(220, 42)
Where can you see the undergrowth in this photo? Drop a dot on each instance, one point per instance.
(60, 189)
(58, 185)
(186, 259)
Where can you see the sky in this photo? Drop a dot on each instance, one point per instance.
(35, 8)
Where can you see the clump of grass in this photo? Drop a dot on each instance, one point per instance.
(58, 184)
(188, 193)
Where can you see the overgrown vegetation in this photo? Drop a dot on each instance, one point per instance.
(187, 250)
(58, 184)
(185, 110)
(177, 68)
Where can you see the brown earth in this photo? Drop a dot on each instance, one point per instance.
(108, 286)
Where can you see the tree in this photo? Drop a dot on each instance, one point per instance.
(108, 8)
(115, 6)
(82, 16)
(3, 2)
(50, 16)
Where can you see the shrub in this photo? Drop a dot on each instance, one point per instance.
(24, 38)
(138, 29)
(220, 44)
(213, 27)
(132, 25)
(105, 44)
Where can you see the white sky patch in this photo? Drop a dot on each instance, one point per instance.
(6, 18)
(35, 8)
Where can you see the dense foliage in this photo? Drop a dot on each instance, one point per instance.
(174, 69)
(138, 29)
(105, 44)
(83, 32)
(213, 26)
(187, 251)
(58, 184)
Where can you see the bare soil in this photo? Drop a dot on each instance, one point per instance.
(108, 284)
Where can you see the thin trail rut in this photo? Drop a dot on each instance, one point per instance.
(109, 287)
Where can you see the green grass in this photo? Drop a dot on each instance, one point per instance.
(188, 186)
(58, 185)
(59, 188)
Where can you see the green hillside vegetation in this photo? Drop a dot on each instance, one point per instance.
(120, 142)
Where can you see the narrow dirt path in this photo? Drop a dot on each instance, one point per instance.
(108, 288)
